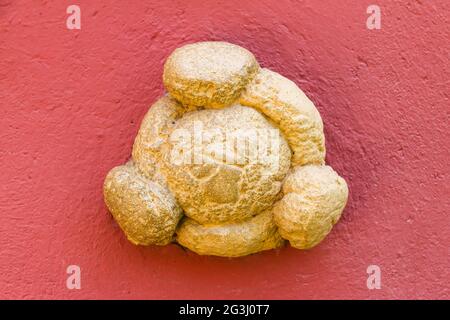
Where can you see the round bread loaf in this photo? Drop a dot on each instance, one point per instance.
(314, 197)
(225, 165)
(210, 74)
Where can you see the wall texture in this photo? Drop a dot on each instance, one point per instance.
(71, 102)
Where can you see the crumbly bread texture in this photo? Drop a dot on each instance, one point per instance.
(210, 74)
(289, 108)
(222, 179)
(314, 197)
(230, 240)
(146, 211)
(153, 133)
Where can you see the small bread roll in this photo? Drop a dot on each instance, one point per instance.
(230, 240)
(288, 107)
(152, 135)
(145, 211)
(210, 74)
(314, 197)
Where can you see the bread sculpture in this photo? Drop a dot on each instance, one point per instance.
(228, 163)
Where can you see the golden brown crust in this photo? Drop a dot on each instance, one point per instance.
(146, 211)
(288, 107)
(210, 73)
(230, 240)
(314, 197)
(221, 189)
(153, 133)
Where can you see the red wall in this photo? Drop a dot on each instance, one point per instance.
(71, 103)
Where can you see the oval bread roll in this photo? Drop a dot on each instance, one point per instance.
(289, 108)
(145, 211)
(211, 74)
(314, 197)
(230, 240)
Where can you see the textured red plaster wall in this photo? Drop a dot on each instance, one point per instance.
(71, 103)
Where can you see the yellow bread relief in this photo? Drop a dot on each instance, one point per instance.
(221, 188)
(210, 74)
(313, 200)
(154, 131)
(146, 211)
(230, 240)
(238, 149)
(284, 103)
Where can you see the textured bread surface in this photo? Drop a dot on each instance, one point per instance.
(231, 160)
(287, 106)
(314, 197)
(219, 187)
(210, 74)
(230, 240)
(146, 211)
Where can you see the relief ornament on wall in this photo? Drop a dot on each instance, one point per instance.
(231, 161)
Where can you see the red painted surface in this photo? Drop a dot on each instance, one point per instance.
(71, 103)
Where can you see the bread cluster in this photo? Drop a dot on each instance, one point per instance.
(231, 161)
